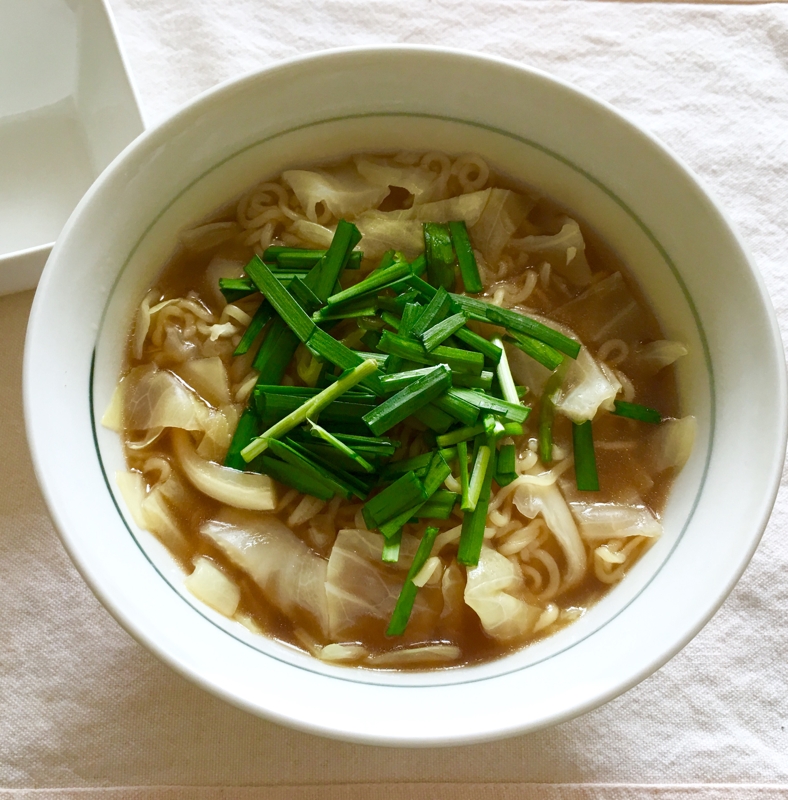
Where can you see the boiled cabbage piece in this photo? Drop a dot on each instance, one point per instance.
(417, 180)
(209, 235)
(155, 398)
(208, 377)
(587, 385)
(495, 590)
(657, 355)
(565, 251)
(381, 231)
(209, 584)
(156, 510)
(313, 233)
(342, 191)
(249, 490)
(603, 521)
(590, 315)
(672, 442)
(290, 574)
(361, 587)
(531, 500)
(503, 214)
(433, 653)
(340, 595)
(403, 229)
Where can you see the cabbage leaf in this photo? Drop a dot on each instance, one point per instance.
(290, 574)
(603, 521)
(342, 191)
(494, 590)
(532, 499)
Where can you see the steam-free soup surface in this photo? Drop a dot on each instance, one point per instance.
(308, 573)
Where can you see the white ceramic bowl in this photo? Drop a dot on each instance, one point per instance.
(580, 151)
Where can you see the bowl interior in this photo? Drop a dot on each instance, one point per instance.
(648, 209)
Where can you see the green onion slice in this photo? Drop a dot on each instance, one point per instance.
(506, 469)
(404, 606)
(547, 356)
(408, 400)
(310, 408)
(391, 548)
(465, 257)
(585, 460)
(638, 412)
(259, 320)
(439, 253)
(472, 535)
(321, 433)
(477, 479)
(441, 331)
(550, 393)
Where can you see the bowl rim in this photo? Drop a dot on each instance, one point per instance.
(195, 107)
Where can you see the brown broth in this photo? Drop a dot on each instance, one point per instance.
(622, 469)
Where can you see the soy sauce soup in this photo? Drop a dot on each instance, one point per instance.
(307, 572)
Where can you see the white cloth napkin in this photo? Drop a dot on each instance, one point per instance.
(85, 707)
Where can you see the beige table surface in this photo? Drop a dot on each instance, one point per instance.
(87, 712)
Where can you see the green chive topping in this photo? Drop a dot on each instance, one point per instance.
(325, 274)
(236, 288)
(492, 350)
(391, 548)
(547, 356)
(550, 394)
(326, 436)
(465, 257)
(309, 409)
(401, 495)
(472, 535)
(439, 254)
(248, 427)
(283, 302)
(505, 379)
(506, 469)
(404, 606)
(585, 461)
(462, 460)
(434, 312)
(294, 477)
(260, 319)
(379, 279)
(439, 506)
(297, 258)
(276, 352)
(638, 412)
(441, 331)
(477, 478)
(408, 400)
(426, 366)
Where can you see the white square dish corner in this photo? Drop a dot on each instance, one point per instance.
(67, 108)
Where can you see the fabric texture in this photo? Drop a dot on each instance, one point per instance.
(86, 712)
